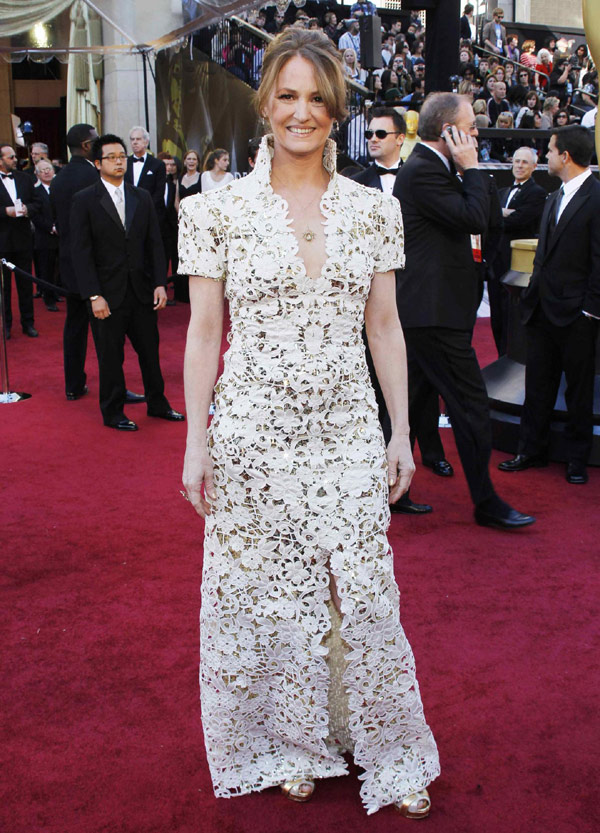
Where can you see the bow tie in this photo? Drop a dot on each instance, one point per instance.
(382, 171)
(137, 159)
(7, 176)
(518, 184)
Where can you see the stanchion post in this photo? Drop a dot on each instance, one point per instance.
(7, 396)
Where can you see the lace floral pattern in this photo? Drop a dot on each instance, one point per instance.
(301, 481)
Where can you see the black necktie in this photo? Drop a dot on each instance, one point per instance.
(383, 171)
(559, 200)
(137, 159)
(7, 176)
(513, 193)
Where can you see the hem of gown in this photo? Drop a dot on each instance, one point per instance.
(288, 771)
(372, 804)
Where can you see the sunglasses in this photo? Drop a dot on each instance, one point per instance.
(380, 134)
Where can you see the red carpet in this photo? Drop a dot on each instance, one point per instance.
(101, 572)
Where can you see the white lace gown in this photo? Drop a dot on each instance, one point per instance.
(301, 482)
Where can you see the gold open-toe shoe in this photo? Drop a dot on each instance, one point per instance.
(298, 790)
(415, 806)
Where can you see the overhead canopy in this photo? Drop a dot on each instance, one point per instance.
(41, 29)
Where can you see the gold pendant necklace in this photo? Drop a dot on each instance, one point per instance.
(308, 234)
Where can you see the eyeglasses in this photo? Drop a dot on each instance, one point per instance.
(115, 157)
(381, 134)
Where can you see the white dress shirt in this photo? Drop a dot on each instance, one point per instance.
(113, 190)
(388, 180)
(570, 188)
(137, 169)
(11, 187)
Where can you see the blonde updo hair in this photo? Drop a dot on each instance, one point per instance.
(316, 48)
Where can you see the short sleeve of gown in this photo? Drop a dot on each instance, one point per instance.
(389, 252)
(201, 244)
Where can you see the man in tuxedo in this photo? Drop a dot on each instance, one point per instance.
(117, 254)
(385, 137)
(522, 206)
(78, 174)
(45, 241)
(144, 171)
(444, 201)
(561, 308)
(16, 209)
(169, 226)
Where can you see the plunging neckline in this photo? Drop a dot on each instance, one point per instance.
(288, 220)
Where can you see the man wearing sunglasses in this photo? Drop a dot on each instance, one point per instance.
(385, 137)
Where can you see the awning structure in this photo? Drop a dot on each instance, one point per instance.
(42, 29)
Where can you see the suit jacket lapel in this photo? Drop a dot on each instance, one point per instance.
(131, 203)
(572, 208)
(4, 195)
(108, 205)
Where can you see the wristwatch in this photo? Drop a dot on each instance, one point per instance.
(94, 297)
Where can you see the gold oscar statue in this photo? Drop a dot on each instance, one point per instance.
(591, 24)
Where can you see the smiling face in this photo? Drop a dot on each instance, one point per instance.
(524, 164)
(296, 110)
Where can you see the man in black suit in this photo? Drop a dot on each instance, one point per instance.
(78, 174)
(45, 240)
(144, 171)
(444, 201)
(16, 242)
(170, 225)
(522, 206)
(385, 137)
(561, 308)
(117, 254)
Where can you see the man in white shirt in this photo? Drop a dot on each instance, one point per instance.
(561, 308)
(589, 119)
(145, 171)
(118, 258)
(351, 38)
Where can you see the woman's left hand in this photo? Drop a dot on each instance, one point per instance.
(401, 466)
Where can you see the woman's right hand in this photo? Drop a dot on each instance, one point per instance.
(198, 473)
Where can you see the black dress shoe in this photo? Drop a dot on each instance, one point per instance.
(132, 398)
(171, 415)
(51, 307)
(30, 331)
(123, 425)
(37, 294)
(522, 462)
(73, 395)
(440, 467)
(502, 516)
(407, 507)
(577, 474)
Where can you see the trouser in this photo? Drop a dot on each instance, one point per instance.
(550, 351)
(443, 359)
(46, 263)
(75, 339)
(138, 322)
(22, 259)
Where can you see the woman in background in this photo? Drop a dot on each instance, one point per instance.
(190, 181)
(215, 172)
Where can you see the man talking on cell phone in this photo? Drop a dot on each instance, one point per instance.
(444, 201)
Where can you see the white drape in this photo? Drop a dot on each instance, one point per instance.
(20, 17)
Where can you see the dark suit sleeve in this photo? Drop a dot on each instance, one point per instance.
(28, 198)
(437, 199)
(528, 213)
(160, 172)
(154, 243)
(82, 250)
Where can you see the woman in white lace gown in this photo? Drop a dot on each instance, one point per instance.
(302, 653)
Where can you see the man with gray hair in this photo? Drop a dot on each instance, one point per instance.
(522, 207)
(445, 200)
(145, 171)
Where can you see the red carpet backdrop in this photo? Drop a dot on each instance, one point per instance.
(100, 595)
